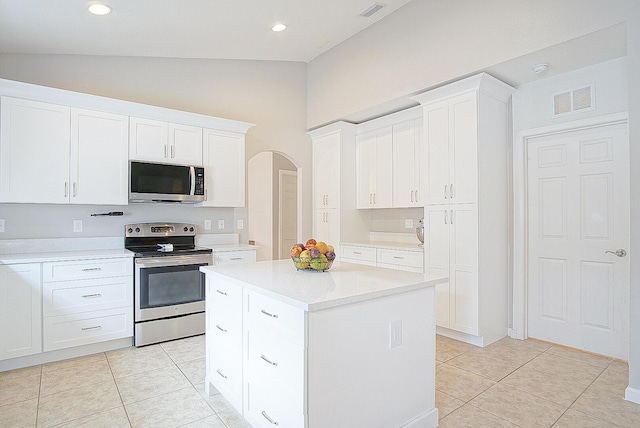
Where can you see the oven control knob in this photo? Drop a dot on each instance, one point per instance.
(185, 228)
(130, 230)
(191, 229)
(137, 229)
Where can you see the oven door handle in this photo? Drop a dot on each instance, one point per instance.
(151, 262)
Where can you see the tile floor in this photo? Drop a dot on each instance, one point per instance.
(507, 384)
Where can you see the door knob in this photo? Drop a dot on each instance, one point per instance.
(619, 252)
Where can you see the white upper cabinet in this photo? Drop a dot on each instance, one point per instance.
(57, 154)
(451, 130)
(158, 141)
(185, 144)
(99, 158)
(34, 151)
(326, 171)
(224, 173)
(374, 171)
(406, 164)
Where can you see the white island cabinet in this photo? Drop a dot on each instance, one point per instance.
(352, 346)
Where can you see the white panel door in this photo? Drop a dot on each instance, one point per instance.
(99, 168)
(288, 212)
(463, 149)
(436, 129)
(578, 217)
(406, 164)
(365, 170)
(20, 310)
(463, 265)
(185, 144)
(436, 253)
(326, 172)
(34, 152)
(224, 174)
(148, 140)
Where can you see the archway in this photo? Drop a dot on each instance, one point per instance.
(270, 208)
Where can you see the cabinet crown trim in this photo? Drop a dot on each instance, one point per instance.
(483, 82)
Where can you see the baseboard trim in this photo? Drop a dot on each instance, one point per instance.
(632, 394)
(426, 420)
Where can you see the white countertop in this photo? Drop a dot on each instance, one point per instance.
(345, 283)
(386, 244)
(57, 256)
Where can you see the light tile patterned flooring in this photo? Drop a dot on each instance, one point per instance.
(507, 384)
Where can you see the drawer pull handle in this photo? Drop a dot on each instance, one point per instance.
(236, 258)
(268, 361)
(221, 374)
(357, 252)
(90, 296)
(95, 327)
(221, 329)
(92, 269)
(221, 292)
(268, 314)
(398, 257)
(268, 418)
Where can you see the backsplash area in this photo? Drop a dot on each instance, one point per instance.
(33, 221)
(393, 220)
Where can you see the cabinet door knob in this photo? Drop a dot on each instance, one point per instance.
(445, 192)
(445, 216)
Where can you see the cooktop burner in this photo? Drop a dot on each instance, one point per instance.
(162, 239)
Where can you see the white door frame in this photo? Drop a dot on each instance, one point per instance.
(520, 221)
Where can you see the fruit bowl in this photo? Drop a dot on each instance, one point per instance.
(307, 263)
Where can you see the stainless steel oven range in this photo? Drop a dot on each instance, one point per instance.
(168, 285)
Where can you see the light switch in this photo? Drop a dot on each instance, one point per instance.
(240, 224)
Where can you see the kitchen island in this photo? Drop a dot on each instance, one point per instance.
(350, 347)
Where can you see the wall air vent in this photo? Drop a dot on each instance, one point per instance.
(373, 9)
(574, 101)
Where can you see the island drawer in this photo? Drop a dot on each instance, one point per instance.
(83, 269)
(360, 254)
(225, 373)
(69, 297)
(281, 318)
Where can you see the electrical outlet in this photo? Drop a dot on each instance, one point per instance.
(1, 225)
(77, 225)
(395, 333)
(220, 224)
(408, 223)
(240, 224)
(207, 225)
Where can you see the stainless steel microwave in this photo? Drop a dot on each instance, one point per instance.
(157, 182)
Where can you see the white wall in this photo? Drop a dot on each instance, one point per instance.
(533, 102)
(427, 43)
(270, 94)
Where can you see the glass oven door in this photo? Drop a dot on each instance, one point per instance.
(169, 286)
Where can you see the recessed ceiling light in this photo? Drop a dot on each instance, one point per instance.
(99, 9)
(279, 27)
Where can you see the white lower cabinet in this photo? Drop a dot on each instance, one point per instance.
(400, 259)
(237, 256)
(86, 301)
(224, 339)
(20, 310)
(452, 250)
